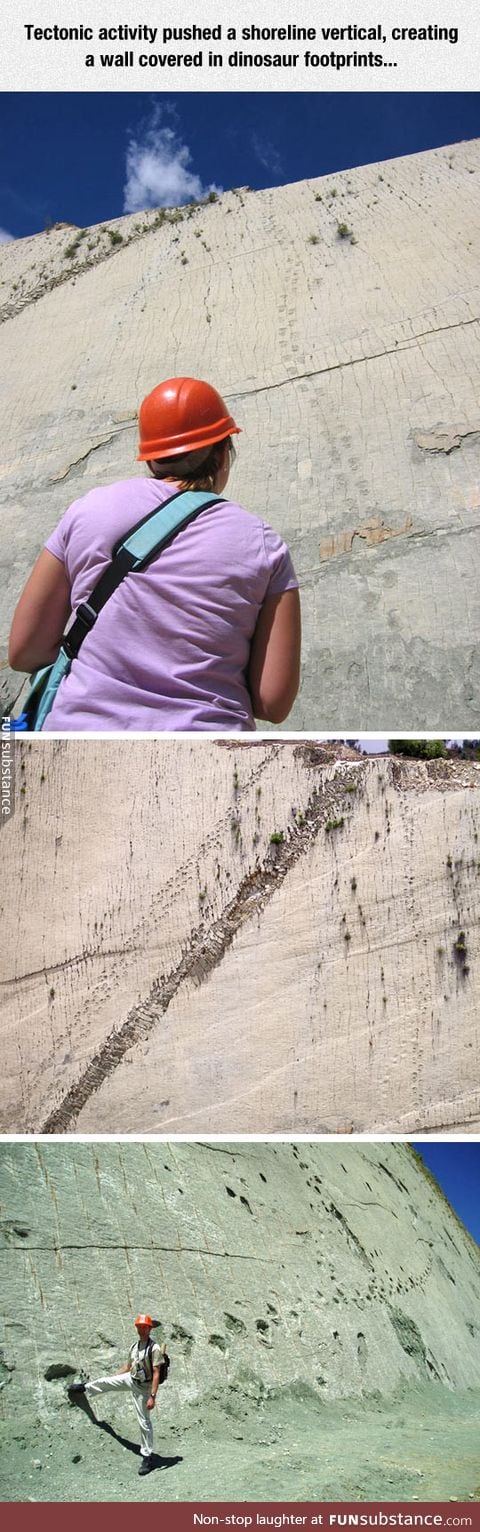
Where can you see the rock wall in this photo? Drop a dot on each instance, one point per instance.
(210, 938)
(339, 1268)
(339, 317)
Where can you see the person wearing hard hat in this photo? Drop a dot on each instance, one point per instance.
(207, 635)
(147, 1366)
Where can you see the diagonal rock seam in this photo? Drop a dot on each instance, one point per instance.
(382, 548)
(354, 361)
(206, 949)
(49, 969)
(103, 441)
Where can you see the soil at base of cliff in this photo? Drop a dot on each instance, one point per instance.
(292, 1446)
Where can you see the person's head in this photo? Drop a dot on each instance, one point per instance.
(185, 434)
(143, 1325)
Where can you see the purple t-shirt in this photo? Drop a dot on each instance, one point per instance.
(170, 648)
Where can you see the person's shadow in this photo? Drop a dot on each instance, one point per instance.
(104, 1425)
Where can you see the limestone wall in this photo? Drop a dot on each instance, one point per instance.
(239, 939)
(339, 317)
(271, 1266)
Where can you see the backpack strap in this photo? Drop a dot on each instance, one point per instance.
(149, 1354)
(134, 551)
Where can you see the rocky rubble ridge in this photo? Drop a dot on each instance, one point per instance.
(339, 901)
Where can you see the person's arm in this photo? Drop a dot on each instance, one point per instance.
(121, 1370)
(274, 669)
(40, 616)
(154, 1389)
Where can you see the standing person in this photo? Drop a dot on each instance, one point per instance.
(207, 636)
(147, 1361)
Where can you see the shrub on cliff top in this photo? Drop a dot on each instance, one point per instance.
(421, 749)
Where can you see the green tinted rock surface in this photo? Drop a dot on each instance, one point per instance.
(320, 1305)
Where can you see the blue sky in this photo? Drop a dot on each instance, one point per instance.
(84, 158)
(456, 1167)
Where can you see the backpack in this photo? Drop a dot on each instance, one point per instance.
(164, 1364)
(148, 1361)
(135, 550)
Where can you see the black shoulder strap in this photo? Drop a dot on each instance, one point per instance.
(124, 559)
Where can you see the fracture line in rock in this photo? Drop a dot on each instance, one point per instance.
(206, 949)
(353, 361)
(222, 1255)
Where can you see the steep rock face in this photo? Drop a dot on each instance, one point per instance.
(340, 318)
(239, 939)
(341, 1268)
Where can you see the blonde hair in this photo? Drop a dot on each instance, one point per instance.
(195, 470)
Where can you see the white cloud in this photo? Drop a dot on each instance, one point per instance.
(267, 154)
(158, 170)
(5, 237)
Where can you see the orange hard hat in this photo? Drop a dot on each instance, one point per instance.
(144, 1319)
(181, 415)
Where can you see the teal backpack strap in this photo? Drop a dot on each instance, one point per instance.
(159, 529)
(145, 541)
